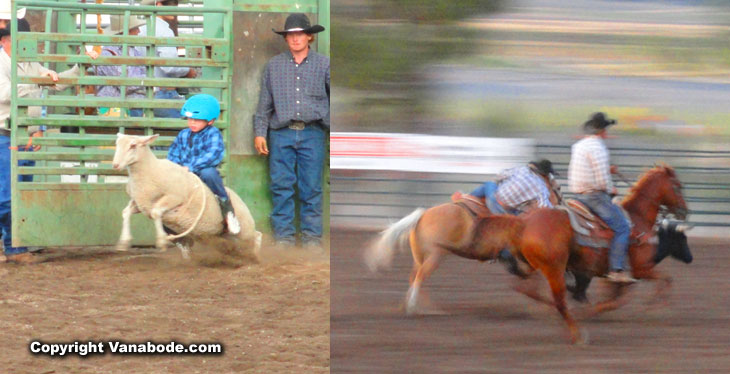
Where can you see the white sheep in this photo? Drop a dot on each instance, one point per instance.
(175, 198)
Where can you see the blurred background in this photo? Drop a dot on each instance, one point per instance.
(532, 70)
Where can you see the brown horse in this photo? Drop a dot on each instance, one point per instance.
(446, 229)
(548, 242)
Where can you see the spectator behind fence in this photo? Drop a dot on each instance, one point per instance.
(17, 254)
(5, 16)
(162, 29)
(116, 27)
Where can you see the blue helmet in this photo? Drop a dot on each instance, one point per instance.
(201, 106)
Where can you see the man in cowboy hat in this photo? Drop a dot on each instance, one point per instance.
(163, 30)
(294, 111)
(589, 177)
(5, 15)
(519, 189)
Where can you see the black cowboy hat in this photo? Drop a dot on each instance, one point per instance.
(299, 22)
(597, 122)
(544, 167)
(23, 26)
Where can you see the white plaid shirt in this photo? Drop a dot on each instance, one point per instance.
(589, 169)
(521, 184)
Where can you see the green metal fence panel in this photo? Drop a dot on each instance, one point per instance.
(75, 197)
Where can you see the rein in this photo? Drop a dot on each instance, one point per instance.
(200, 214)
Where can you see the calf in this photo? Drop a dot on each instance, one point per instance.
(673, 241)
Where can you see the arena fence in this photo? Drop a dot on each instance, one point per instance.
(375, 196)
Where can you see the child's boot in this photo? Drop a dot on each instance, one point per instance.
(230, 217)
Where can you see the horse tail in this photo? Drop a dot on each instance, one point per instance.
(380, 254)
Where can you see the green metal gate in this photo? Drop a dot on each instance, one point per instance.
(56, 208)
(81, 204)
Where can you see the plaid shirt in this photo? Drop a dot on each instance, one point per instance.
(133, 71)
(291, 91)
(197, 151)
(521, 184)
(589, 169)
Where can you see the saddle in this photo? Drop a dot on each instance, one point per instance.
(476, 207)
(590, 229)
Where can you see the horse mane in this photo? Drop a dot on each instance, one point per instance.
(646, 179)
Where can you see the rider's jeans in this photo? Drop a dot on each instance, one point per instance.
(213, 180)
(600, 203)
(488, 191)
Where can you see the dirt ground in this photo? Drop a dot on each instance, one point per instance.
(489, 328)
(271, 318)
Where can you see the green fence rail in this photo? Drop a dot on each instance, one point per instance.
(46, 209)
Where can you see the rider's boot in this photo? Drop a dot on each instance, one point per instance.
(510, 262)
(230, 217)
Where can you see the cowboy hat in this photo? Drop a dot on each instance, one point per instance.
(116, 24)
(23, 26)
(154, 2)
(544, 167)
(597, 122)
(5, 10)
(299, 22)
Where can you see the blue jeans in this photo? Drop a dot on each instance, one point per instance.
(488, 191)
(213, 180)
(5, 211)
(296, 158)
(600, 203)
(167, 112)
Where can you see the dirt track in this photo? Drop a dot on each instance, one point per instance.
(491, 329)
(270, 318)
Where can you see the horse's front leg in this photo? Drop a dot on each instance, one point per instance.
(125, 239)
(529, 286)
(663, 284)
(616, 299)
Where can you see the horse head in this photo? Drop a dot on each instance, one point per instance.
(661, 187)
(670, 192)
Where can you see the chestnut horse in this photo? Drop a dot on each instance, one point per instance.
(548, 244)
(446, 229)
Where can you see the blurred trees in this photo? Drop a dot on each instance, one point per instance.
(381, 45)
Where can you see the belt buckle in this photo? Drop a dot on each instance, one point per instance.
(297, 125)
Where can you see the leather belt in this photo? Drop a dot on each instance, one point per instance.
(297, 125)
(5, 132)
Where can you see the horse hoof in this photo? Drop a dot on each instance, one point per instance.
(123, 246)
(581, 338)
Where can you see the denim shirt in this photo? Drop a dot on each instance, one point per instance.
(291, 91)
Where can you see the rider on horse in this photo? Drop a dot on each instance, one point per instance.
(518, 190)
(589, 177)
